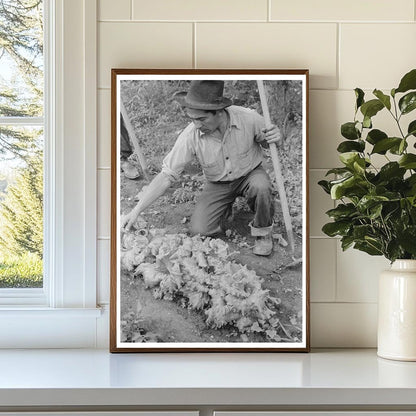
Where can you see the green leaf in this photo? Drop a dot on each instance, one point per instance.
(402, 147)
(408, 82)
(393, 250)
(361, 231)
(375, 135)
(367, 122)
(359, 95)
(348, 158)
(349, 131)
(391, 170)
(407, 240)
(411, 183)
(369, 201)
(333, 229)
(325, 186)
(375, 212)
(338, 188)
(383, 145)
(411, 130)
(371, 108)
(359, 165)
(385, 99)
(411, 180)
(350, 146)
(408, 161)
(338, 171)
(352, 186)
(408, 102)
(346, 242)
(368, 248)
(342, 211)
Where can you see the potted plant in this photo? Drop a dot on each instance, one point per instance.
(376, 209)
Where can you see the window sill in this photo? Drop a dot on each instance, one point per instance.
(35, 311)
(22, 297)
(39, 327)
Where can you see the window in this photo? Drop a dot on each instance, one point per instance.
(63, 312)
(22, 128)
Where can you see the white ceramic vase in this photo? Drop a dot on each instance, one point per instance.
(397, 312)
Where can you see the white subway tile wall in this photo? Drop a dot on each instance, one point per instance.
(114, 10)
(328, 109)
(355, 10)
(104, 128)
(323, 269)
(357, 275)
(345, 44)
(375, 55)
(142, 45)
(104, 202)
(270, 45)
(200, 10)
(339, 325)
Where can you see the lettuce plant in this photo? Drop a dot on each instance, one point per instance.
(376, 209)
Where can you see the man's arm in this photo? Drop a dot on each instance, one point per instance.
(156, 188)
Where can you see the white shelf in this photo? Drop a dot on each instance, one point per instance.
(58, 378)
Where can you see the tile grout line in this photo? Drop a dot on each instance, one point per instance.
(194, 63)
(131, 9)
(338, 63)
(307, 22)
(269, 11)
(336, 271)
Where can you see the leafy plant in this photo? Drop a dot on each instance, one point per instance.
(197, 273)
(376, 212)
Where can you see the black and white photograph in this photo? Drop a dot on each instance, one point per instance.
(209, 231)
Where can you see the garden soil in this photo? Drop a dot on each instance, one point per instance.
(171, 321)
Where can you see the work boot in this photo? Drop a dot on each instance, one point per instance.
(264, 243)
(130, 171)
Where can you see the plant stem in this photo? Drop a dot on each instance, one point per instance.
(397, 118)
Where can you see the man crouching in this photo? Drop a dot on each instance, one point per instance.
(226, 141)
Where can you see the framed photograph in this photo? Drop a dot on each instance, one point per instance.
(209, 211)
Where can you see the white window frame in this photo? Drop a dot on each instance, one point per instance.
(67, 303)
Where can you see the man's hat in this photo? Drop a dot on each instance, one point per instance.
(203, 95)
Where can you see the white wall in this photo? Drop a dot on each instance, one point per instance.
(345, 44)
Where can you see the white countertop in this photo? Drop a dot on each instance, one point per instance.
(96, 377)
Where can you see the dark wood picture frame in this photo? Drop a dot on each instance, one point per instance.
(287, 327)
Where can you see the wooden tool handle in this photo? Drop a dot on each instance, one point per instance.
(277, 170)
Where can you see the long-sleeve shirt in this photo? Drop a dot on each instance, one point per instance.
(226, 159)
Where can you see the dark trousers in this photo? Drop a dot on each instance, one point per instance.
(125, 146)
(217, 198)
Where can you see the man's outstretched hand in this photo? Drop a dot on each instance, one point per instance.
(127, 221)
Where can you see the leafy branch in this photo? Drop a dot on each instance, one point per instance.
(376, 212)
